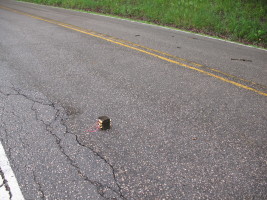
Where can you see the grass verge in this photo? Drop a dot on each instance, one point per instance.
(243, 21)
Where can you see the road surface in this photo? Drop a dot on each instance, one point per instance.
(188, 112)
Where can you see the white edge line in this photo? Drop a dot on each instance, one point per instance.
(149, 24)
(9, 175)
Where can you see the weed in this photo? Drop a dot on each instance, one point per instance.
(239, 20)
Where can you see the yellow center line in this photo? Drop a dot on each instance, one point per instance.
(114, 41)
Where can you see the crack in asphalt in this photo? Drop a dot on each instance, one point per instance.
(39, 185)
(100, 188)
(106, 161)
(5, 183)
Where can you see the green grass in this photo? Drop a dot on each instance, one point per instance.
(237, 20)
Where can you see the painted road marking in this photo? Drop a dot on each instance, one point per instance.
(12, 190)
(162, 56)
(148, 24)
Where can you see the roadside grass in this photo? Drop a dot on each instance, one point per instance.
(243, 21)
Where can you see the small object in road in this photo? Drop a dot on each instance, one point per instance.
(104, 122)
(194, 138)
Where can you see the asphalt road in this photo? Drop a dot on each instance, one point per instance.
(188, 112)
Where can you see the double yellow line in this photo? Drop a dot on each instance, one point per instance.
(151, 52)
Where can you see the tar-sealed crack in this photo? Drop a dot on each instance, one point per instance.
(60, 115)
(5, 184)
(241, 59)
